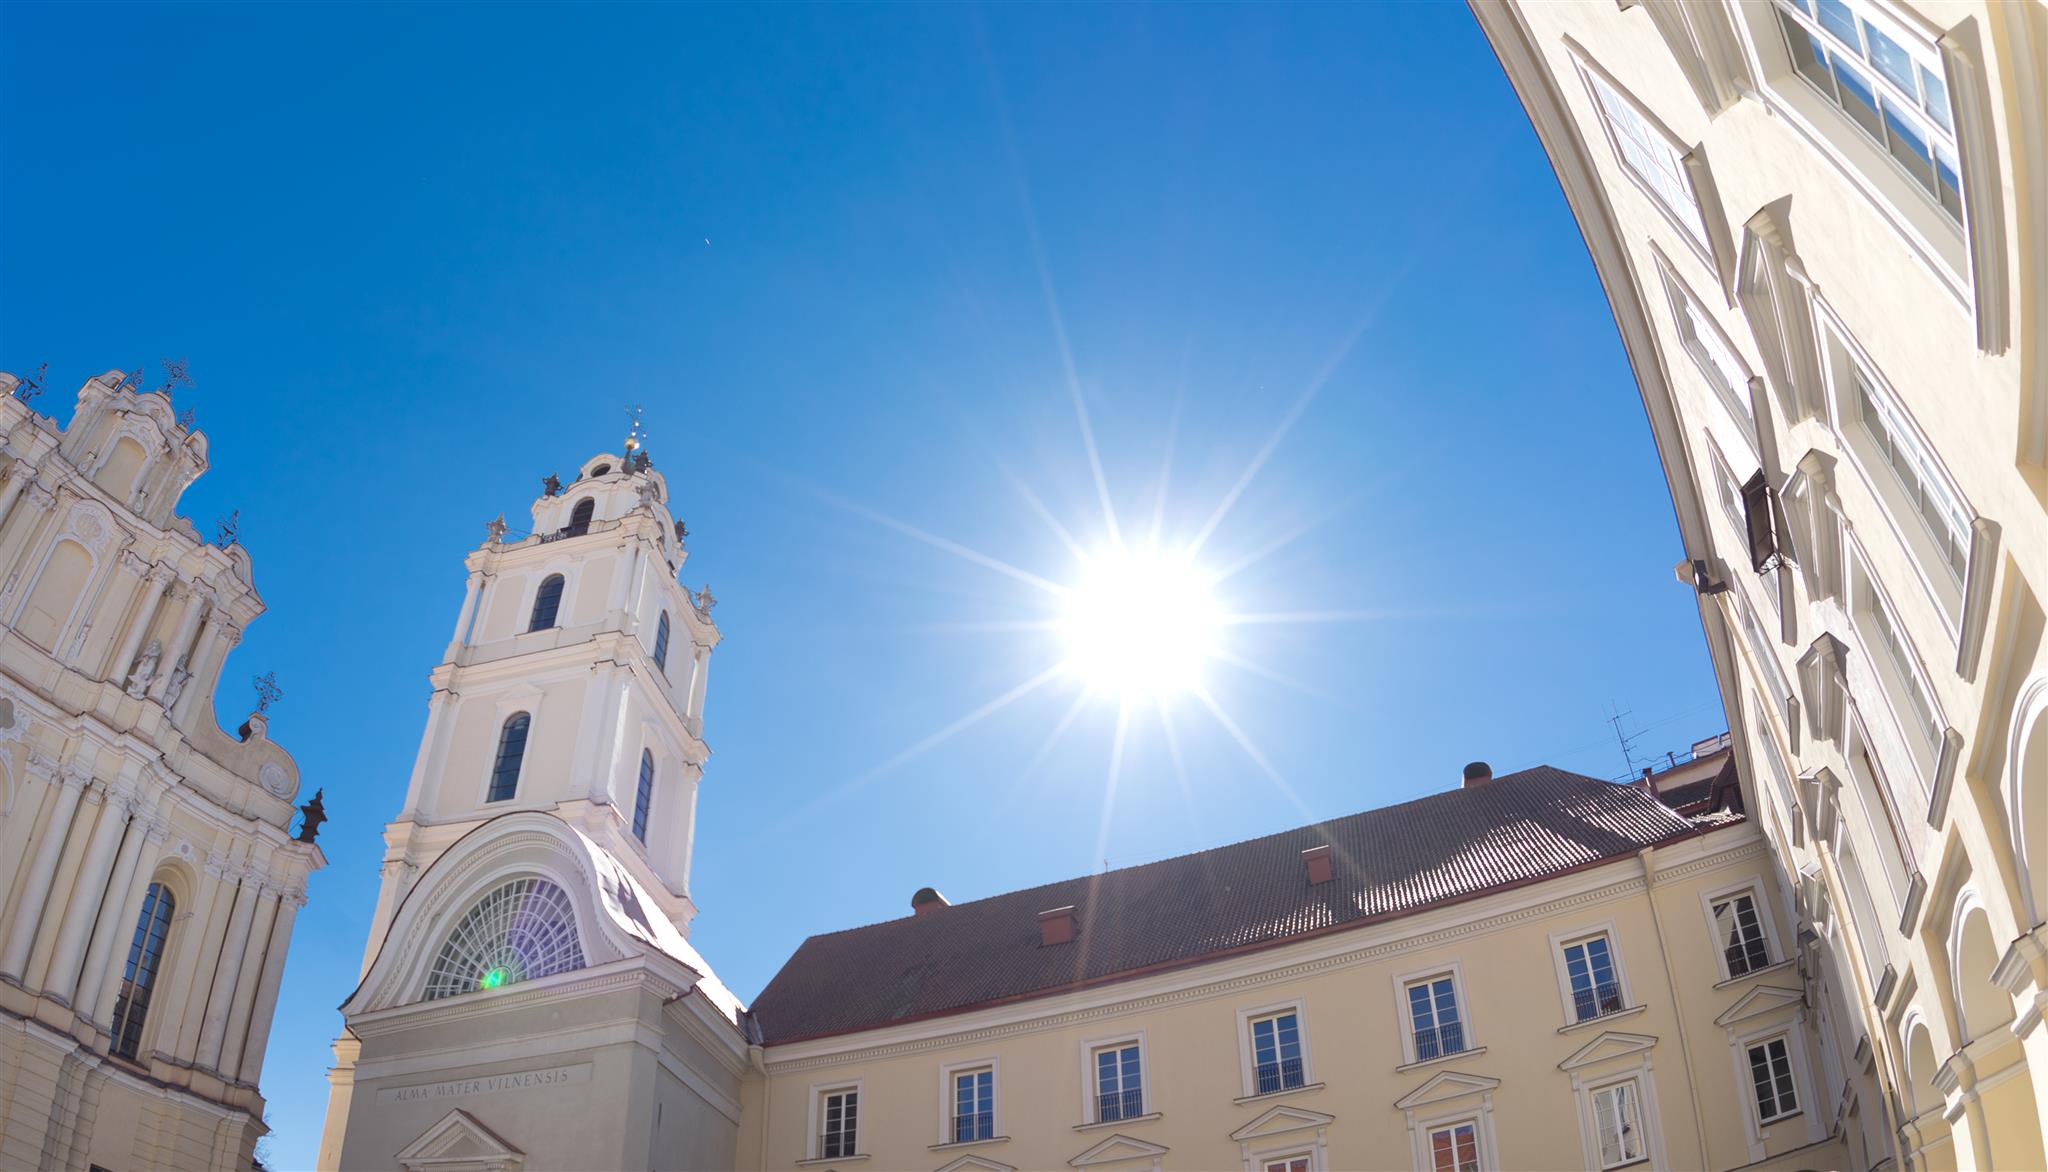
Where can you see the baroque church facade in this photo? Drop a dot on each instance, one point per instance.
(148, 879)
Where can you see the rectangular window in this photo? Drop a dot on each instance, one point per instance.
(1119, 1083)
(974, 1105)
(1596, 986)
(1287, 1164)
(1616, 1120)
(1898, 671)
(1887, 80)
(1702, 338)
(1454, 1147)
(839, 1117)
(1433, 1015)
(1652, 158)
(1770, 1070)
(1739, 930)
(1920, 481)
(1276, 1053)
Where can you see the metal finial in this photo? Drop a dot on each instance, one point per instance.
(267, 691)
(229, 530)
(636, 435)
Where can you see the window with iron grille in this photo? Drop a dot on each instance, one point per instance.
(1616, 1120)
(138, 978)
(1770, 1072)
(1887, 80)
(839, 1119)
(547, 602)
(1119, 1083)
(974, 1105)
(643, 796)
(1276, 1053)
(1739, 930)
(511, 752)
(1438, 1028)
(1454, 1147)
(1596, 985)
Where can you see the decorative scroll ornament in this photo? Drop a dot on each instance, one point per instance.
(275, 779)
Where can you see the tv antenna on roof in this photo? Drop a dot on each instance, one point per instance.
(1627, 743)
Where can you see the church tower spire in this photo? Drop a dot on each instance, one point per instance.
(573, 684)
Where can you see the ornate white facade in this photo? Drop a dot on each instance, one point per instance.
(148, 876)
(528, 997)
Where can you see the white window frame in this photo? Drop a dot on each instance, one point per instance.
(1763, 649)
(1247, 1073)
(1688, 315)
(1287, 1155)
(1793, 1053)
(1593, 1091)
(1899, 672)
(1455, 972)
(1677, 167)
(1559, 941)
(1476, 1120)
(1091, 1108)
(814, 1139)
(951, 1071)
(1774, 944)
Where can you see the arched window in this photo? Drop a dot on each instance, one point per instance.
(57, 592)
(519, 931)
(145, 954)
(643, 797)
(579, 517)
(546, 602)
(117, 475)
(511, 751)
(661, 643)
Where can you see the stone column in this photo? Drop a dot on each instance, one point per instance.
(20, 532)
(107, 934)
(84, 903)
(213, 1027)
(102, 1005)
(42, 869)
(209, 652)
(288, 906)
(138, 627)
(181, 637)
(250, 972)
(18, 474)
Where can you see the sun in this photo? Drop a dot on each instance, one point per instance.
(1140, 624)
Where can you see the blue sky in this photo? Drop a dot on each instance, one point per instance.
(419, 256)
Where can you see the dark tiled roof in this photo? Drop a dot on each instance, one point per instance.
(1390, 861)
(1708, 792)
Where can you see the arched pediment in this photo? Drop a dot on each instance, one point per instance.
(613, 918)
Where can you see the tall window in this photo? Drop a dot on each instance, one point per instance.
(546, 602)
(1887, 80)
(1616, 1120)
(511, 751)
(661, 643)
(1770, 1071)
(579, 517)
(1433, 1014)
(1651, 157)
(145, 955)
(1898, 671)
(1454, 1147)
(1596, 987)
(974, 1105)
(1724, 369)
(643, 795)
(1276, 1052)
(1935, 506)
(1739, 930)
(839, 1120)
(1119, 1083)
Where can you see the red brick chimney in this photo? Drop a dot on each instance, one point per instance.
(1317, 860)
(1057, 926)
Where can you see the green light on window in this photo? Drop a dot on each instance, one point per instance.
(492, 979)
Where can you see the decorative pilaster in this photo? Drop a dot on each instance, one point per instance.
(188, 621)
(289, 903)
(83, 907)
(42, 869)
(213, 1027)
(138, 624)
(248, 973)
(20, 530)
(106, 935)
(18, 474)
(471, 592)
(101, 1008)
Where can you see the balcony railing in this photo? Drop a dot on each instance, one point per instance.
(974, 1125)
(1437, 1041)
(1278, 1076)
(1598, 1001)
(1114, 1105)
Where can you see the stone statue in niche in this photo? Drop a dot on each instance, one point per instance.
(180, 675)
(145, 668)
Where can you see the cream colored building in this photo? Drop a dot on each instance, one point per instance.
(1823, 229)
(147, 880)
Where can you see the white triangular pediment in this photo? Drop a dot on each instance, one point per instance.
(976, 1164)
(1610, 1045)
(458, 1143)
(1759, 1001)
(1281, 1119)
(1445, 1087)
(1116, 1149)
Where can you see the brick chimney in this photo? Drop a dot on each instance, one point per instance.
(1317, 860)
(1478, 773)
(1057, 926)
(927, 900)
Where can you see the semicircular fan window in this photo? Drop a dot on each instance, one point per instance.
(519, 931)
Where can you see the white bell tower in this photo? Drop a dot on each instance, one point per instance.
(574, 684)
